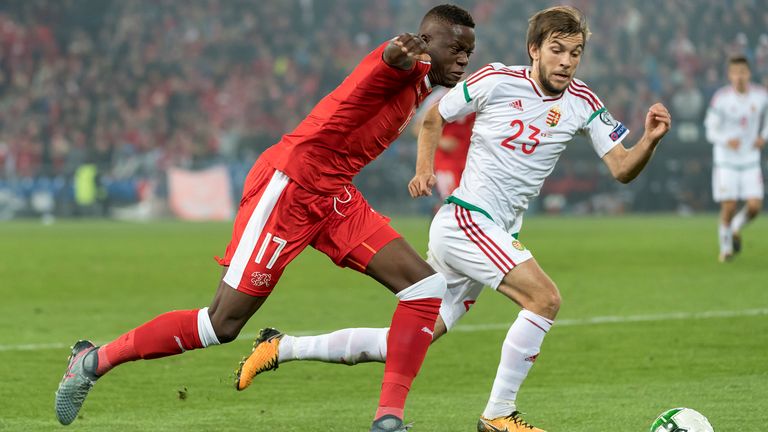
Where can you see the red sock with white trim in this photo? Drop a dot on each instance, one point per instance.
(168, 334)
(410, 334)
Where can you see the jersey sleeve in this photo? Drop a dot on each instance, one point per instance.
(470, 95)
(379, 78)
(713, 122)
(764, 117)
(603, 131)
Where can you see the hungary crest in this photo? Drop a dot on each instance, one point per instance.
(553, 116)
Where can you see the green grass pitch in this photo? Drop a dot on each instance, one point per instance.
(681, 330)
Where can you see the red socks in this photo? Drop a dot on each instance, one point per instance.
(409, 337)
(168, 334)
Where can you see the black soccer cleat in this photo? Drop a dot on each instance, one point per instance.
(389, 423)
(736, 243)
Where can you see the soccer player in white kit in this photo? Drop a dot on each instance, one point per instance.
(525, 116)
(733, 126)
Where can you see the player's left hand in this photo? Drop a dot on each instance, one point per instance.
(412, 45)
(760, 143)
(421, 185)
(658, 121)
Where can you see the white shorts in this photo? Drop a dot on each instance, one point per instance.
(472, 252)
(729, 184)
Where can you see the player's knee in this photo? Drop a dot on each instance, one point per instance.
(549, 298)
(422, 272)
(227, 335)
(728, 211)
(226, 330)
(753, 208)
(553, 301)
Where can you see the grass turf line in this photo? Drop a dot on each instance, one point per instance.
(95, 279)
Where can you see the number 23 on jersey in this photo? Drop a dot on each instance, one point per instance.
(518, 127)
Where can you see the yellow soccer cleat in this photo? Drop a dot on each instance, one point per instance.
(263, 357)
(510, 423)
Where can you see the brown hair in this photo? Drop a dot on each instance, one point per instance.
(739, 59)
(557, 20)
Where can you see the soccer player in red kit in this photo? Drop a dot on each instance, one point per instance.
(451, 154)
(300, 193)
(452, 149)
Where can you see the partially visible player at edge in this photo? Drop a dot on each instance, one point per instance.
(733, 127)
(299, 193)
(525, 117)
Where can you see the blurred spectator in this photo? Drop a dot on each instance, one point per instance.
(137, 86)
(687, 102)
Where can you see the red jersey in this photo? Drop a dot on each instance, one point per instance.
(352, 125)
(461, 130)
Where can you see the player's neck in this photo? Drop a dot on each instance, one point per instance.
(537, 79)
(433, 80)
(741, 90)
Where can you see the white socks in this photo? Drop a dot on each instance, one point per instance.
(726, 239)
(355, 345)
(519, 351)
(739, 220)
(348, 346)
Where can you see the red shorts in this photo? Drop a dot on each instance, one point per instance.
(277, 219)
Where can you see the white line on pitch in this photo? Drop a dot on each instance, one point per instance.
(496, 326)
(623, 319)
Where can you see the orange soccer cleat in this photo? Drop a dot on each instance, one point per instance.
(510, 423)
(263, 357)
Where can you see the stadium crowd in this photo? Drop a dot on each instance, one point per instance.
(136, 87)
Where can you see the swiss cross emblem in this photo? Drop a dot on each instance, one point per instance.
(261, 279)
(553, 116)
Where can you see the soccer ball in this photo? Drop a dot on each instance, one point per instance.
(681, 420)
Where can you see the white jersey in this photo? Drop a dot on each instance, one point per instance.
(519, 134)
(734, 115)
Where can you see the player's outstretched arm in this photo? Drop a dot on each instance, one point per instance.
(429, 137)
(404, 49)
(626, 164)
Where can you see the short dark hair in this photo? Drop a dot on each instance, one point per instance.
(739, 59)
(558, 21)
(450, 14)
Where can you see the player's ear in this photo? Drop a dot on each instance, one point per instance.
(534, 51)
(426, 38)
